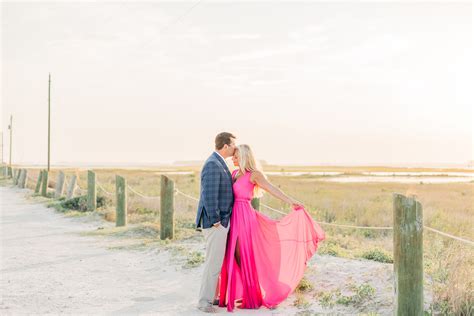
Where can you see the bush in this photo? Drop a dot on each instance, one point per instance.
(144, 211)
(304, 286)
(332, 248)
(378, 255)
(301, 302)
(195, 259)
(362, 294)
(79, 203)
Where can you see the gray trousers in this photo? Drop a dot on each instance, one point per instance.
(216, 239)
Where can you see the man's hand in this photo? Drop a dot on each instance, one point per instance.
(217, 224)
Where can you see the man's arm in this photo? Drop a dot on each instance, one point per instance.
(210, 183)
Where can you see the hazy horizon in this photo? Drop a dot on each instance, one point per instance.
(194, 163)
(304, 83)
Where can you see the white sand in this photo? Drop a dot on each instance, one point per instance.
(49, 267)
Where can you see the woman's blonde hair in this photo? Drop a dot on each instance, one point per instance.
(249, 163)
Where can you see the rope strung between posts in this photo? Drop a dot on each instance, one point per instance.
(186, 195)
(352, 226)
(141, 194)
(471, 243)
(102, 188)
(80, 189)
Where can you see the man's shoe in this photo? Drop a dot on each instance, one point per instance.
(207, 309)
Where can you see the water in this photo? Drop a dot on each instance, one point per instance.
(175, 172)
(421, 173)
(399, 179)
(300, 173)
(375, 176)
(391, 177)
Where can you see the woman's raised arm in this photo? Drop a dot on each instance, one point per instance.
(258, 178)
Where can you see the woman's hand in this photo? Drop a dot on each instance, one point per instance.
(296, 204)
(258, 178)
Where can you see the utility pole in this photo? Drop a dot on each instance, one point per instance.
(49, 120)
(10, 127)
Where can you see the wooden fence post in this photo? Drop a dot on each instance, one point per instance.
(91, 191)
(408, 255)
(23, 178)
(121, 205)
(44, 187)
(20, 174)
(59, 185)
(255, 203)
(72, 186)
(16, 175)
(38, 182)
(167, 208)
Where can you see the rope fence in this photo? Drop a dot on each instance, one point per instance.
(81, 190)
(466, 241)
(103, 189)
(141, 194)
(186, 195)
(195, 199)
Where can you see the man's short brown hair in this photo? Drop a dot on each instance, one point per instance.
(222, 139)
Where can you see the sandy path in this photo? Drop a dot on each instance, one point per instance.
(48, 267)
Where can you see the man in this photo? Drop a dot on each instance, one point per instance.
(213, 215)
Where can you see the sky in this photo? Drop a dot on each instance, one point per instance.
(301, 82)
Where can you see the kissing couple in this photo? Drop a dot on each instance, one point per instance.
(251, 260)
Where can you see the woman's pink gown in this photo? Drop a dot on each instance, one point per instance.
(273, 253)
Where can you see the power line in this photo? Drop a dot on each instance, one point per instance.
(179, 18)
(176, 20)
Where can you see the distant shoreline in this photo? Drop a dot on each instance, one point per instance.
(268, 167)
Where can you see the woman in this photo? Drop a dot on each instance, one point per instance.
(265, 259)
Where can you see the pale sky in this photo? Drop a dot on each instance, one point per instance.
(301, 82)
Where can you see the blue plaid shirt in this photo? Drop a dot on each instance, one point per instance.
(216, 199)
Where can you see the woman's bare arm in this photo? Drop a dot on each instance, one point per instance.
(258, 178)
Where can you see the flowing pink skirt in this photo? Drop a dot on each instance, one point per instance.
(273, 256)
